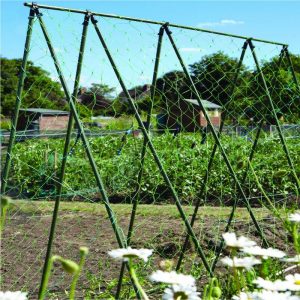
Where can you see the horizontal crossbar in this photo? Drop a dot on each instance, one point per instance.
(79, 11)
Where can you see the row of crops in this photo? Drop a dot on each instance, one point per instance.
(36, 166)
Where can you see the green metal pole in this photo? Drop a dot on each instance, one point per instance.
(143, 154)
(253, 149)
(287, 53)
(65, 155)
(71, 10)
(282, 139)
(217, 140)
(119, 235)
(22, 77)
(100, 184)
(210, 162)
(153, 151)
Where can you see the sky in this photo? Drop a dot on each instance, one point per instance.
(133, 45)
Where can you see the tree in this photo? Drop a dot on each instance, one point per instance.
(282, 88)
(39, 89)
(100, 89)
(213, 77)
(97, 97)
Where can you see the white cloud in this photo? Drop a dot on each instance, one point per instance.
(191, 49)
(223, 22)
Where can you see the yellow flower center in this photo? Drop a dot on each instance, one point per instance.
(297, 282)
(180, 296)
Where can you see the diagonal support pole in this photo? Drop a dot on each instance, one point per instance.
(143, 154)
(215, 136)
(210, 162)
(252, 152)
(287, 54)
(112, 218)
(22, 77)
(282, 139)
(153, 151)
(65, 154)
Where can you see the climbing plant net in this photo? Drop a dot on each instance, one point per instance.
(188, 116)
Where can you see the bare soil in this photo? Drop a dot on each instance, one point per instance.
(25, 237)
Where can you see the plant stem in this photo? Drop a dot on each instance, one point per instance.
(136, 281)
(3, 216)
(47, 276)
(295, 233)
(76, 276)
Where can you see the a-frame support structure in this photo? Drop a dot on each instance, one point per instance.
(123, 241)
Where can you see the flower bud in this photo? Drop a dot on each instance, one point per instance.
(216, 292)
(84, 250)
(5, 201)
(69, 266)
(166, 265)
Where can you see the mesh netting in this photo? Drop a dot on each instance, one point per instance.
(161, 115)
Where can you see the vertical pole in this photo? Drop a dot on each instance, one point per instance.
(287, 53)
(210, 162)
(253, 149)
(153, 151)
(143, 154)
(65, 154)
(119, 235)
(22, 77)
(120, 238)
(282, 139)
(217, 140)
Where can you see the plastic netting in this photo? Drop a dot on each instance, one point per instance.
(216, 129)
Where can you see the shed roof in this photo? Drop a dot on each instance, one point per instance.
(205, 103)
(44, 111)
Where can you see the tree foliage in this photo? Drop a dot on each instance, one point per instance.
(39, 89)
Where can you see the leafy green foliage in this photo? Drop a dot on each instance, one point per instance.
(35, 173)
(39, 89)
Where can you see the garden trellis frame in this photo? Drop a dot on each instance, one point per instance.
(90, 17)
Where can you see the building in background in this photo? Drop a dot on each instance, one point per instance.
(186, 114)
(41, 119)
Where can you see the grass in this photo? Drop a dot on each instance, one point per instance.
(46, 207)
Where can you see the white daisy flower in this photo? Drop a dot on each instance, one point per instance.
(295, 259)
(265, 253)
(13, 295)
(265, 295)
(293, 282)
(241, 296)
(277, 285)
(233, 242)
(181, 292)
(172, 278)
(245, 262)
(126, 253)
(295, 217)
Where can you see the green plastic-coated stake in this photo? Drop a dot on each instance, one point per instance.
(287, 53)
(119, 235)
(65, 155)
(143, 154)
(210, 162)
(282, 139)
(22, 77)
(253, 149)
(153, 151)
(216, 138)
(69, 10)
